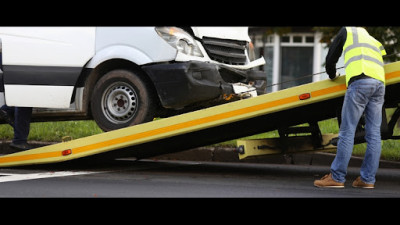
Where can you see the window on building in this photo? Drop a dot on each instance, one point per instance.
(309, 39)
(297, 39)
(288, 58)
(285, 39)
(296, 62)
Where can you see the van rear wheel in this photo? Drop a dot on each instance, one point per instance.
(121, 99)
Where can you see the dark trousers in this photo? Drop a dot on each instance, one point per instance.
(22, 120)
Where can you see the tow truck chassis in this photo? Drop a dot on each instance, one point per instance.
(297, 139)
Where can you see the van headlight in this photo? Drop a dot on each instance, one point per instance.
(251, 51)
(180, 40)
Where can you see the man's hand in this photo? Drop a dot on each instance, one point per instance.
(334, 77)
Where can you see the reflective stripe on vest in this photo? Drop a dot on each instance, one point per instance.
(368, 61)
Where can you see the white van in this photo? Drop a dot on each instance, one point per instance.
(122, 76)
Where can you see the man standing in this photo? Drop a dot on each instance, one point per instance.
(365, 80)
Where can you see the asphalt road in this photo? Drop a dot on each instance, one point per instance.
(184, 179)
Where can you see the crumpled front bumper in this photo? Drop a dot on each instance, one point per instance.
(180, 84)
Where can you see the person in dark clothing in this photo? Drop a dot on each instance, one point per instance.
(365, 81)
(19, 118)
(334, 53)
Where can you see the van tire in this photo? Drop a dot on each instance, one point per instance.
(121, 99)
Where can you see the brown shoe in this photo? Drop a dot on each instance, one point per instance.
(358, 183)
(327, 182)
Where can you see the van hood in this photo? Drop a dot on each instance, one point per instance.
(234, 33)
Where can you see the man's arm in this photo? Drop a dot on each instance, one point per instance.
(334, 53)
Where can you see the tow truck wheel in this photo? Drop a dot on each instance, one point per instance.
(121, 99)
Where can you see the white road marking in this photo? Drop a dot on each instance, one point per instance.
(8, 177)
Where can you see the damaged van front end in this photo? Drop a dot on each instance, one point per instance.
(211, 64)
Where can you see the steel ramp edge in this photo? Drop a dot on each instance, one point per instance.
(189, 122)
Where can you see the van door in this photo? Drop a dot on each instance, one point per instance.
(42, 64)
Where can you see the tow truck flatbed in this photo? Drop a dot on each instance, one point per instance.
(283, 109)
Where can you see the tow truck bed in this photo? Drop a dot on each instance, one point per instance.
(307, 103)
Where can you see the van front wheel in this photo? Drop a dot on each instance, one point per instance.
(121, 99)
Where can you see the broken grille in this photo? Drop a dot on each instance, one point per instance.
(226, 51)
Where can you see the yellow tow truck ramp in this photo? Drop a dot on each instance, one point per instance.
(281, 110)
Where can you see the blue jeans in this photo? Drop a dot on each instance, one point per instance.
(22, 120)
(362, 96)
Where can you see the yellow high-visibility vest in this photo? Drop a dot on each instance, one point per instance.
(363, 54)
